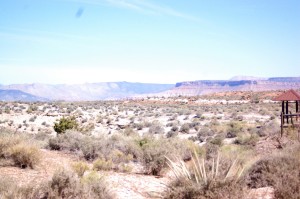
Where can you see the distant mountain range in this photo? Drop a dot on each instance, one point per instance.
(86, 92)
(119, 90)
(16, 95)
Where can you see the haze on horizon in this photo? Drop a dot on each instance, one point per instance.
(151, 41)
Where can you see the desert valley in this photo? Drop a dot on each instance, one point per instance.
(224, 144)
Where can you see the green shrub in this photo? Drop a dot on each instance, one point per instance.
(65, 124)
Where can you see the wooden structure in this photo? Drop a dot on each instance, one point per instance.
(287, 98)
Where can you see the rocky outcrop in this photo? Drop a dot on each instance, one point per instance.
(212, 86)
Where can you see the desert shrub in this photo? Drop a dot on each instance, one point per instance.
(65, 124)
(171, 134)
(156, 150)
(64, 184)
(182, 188)
(71, 140)
(211, 150)
(85, 128)
(282, 172)
(102, 164)
(7, 141)
(91, 147)
(185, 128)
(138, 126)
(127, 145)
(19, 149)
(269, 128)
(80, 168)
(118, 156)
(233, 129)
(25, 155)
(204, 133)
(129, 131)
(125, 168)
(217, 140)
(10, 189)
(156, 128)
(247, 139)
(154, 157)
(32, 119)
(96, 186)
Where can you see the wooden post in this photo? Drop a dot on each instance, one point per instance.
(297, 111)
(287, 111)
(282, 112)
(282, 122)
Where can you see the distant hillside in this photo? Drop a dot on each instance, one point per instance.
(89, 91)
(16, 95)
(201, 87)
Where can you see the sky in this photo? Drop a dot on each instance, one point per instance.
(150, 41)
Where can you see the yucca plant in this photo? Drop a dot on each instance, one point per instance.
(203, 179)
(201, 173)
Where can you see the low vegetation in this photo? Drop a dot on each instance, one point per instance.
(222, 149)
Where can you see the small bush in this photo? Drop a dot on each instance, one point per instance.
(247, 139)
(171, 134)
(24, 155)
(80, 168)
(10, 189)
(281, 172)
(217, 140)
(64, 184)
(156, 150)
(185, 128)
(233, 129)
(118, 156)
(156, 128)
(96, 187)
(102, 164)
(65, 124)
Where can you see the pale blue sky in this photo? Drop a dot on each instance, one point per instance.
(166, 41)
